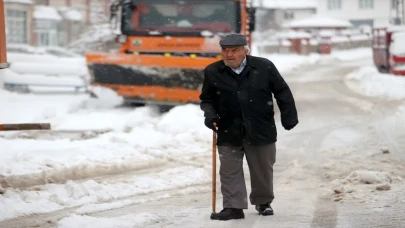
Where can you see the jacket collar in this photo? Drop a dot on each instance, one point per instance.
(249, 62)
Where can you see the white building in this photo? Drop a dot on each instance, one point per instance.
(361, 12)
(276, 13)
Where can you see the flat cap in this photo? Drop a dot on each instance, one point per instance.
(233, 40)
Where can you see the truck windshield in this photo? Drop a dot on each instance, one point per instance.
(181, 16)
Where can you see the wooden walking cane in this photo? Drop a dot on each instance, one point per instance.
(214, 167)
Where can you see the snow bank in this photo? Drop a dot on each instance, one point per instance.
(125, 221)
(45, 70)
(352, 54)
(45, 59)
(116, 139)
(51, 197)
(106, 98)
(397, 47)
(368, 81)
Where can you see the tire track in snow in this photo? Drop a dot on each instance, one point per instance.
(84, 171)
(48, 220)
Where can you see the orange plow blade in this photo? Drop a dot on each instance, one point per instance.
(150, 78)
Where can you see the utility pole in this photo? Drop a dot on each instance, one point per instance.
(3, 49)
(403, 12)
(400, 12)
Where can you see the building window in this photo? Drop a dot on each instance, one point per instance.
(47, 38)
(366, 4)
(362, 23)
(288, 15)
(394, 4)
(42, 2)
(47, 32)
(16, 23)
(334, 4)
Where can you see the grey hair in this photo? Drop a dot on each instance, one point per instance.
(247, 48)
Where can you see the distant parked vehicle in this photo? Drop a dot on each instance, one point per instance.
(389, 49)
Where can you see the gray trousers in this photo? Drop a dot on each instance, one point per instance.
(260, 160)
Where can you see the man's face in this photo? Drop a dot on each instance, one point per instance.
(233, 56)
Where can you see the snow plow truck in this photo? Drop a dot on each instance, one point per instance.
(164, 46)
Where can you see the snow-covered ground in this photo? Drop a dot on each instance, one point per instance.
(42, 172)
(372, 83)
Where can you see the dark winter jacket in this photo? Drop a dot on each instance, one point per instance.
(244, 102)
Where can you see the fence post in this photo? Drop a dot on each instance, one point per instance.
(3, 50)
(25, 126)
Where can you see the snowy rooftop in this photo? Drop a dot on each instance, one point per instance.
(46, 13)
(318, 22)
(20, 1)
(293, 34)
(285, 4)
(396, 28)
(70, 14)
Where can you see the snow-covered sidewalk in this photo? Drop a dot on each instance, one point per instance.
(368, 81)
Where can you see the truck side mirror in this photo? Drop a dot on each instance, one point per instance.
(252, 19)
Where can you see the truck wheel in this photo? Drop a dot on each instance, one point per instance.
(382, 69)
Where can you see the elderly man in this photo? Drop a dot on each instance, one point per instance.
(237, 96)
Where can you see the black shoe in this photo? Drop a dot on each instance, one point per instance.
(228, 213)
(264, 209)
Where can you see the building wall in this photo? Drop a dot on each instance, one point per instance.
(276, 18)
(380, 14)
(287, 15)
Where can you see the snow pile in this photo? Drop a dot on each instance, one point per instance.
(47, 69)
(106, 98)
(368, 177)
(90, 138)
(44, 51)
(51, 197)
(44, 70)
(370, 82)
(125, 221)
(354, 54)
(359, 183)
(397, 47)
